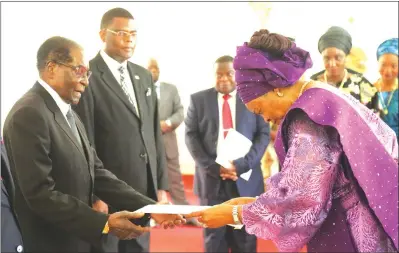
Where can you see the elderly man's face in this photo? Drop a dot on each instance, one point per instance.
(70, 78)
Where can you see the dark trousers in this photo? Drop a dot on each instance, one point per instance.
(111, 244)
(227, 238)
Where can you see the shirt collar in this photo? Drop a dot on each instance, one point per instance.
(157, 84)
(112, 63)
(64, 107)
(232, 94)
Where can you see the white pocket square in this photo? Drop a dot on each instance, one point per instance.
(148, 92)
(137, 77)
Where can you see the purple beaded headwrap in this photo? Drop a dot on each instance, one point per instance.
(258, 72)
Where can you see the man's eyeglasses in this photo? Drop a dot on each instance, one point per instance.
(123, 33)
(230, 74)
(80, 71)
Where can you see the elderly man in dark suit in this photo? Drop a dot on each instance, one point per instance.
(11, 239)
(210, 114)
(119, 111)
(56, 170)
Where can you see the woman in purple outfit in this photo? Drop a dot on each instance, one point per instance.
(337, 191)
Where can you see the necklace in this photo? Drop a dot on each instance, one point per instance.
(343, 80)
(382, 101)
(303, 87)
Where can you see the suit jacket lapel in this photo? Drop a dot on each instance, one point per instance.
(87, 148)
(214, 105)
(138, 90)
(61, 121)
(58, 117)
(240, 109)
(109, 79)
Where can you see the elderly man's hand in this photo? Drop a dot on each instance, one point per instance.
(100, 206)
(120, 225)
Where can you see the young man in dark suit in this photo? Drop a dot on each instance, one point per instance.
(209, 116)
(56, 170)
(119, 111)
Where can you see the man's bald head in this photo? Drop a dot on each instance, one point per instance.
(153, 67)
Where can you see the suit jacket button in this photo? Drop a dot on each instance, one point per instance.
(20, 248)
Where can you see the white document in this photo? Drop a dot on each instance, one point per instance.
(176, 209)
(171, 209)
(233, 147)
(246, 175)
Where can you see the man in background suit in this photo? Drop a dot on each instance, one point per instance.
(56, 171)
(120, 112)
(210, 114)
(171, 115)
(11, 239)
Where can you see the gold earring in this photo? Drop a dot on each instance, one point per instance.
(280, 94)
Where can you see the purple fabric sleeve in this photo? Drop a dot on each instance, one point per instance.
(298, 198)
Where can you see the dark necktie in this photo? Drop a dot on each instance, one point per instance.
(72, 124)
(226, 112)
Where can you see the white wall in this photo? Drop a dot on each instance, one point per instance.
(185, 37)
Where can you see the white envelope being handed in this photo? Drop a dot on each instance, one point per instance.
(233, 147)
(177, 209)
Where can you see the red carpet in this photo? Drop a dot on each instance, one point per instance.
(190, 239)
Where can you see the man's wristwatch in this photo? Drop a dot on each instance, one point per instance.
(106, 228)
(235, 216)
(168, 122)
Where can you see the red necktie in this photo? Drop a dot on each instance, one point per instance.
(227, 119)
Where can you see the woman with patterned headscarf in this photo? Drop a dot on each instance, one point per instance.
(337, 190)
(387, 85)
(334, 46)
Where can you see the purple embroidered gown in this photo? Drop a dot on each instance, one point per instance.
(315, 200)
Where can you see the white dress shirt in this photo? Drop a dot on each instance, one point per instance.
(113, 65)
(64, 107)
(232, 104)
(158, 89)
